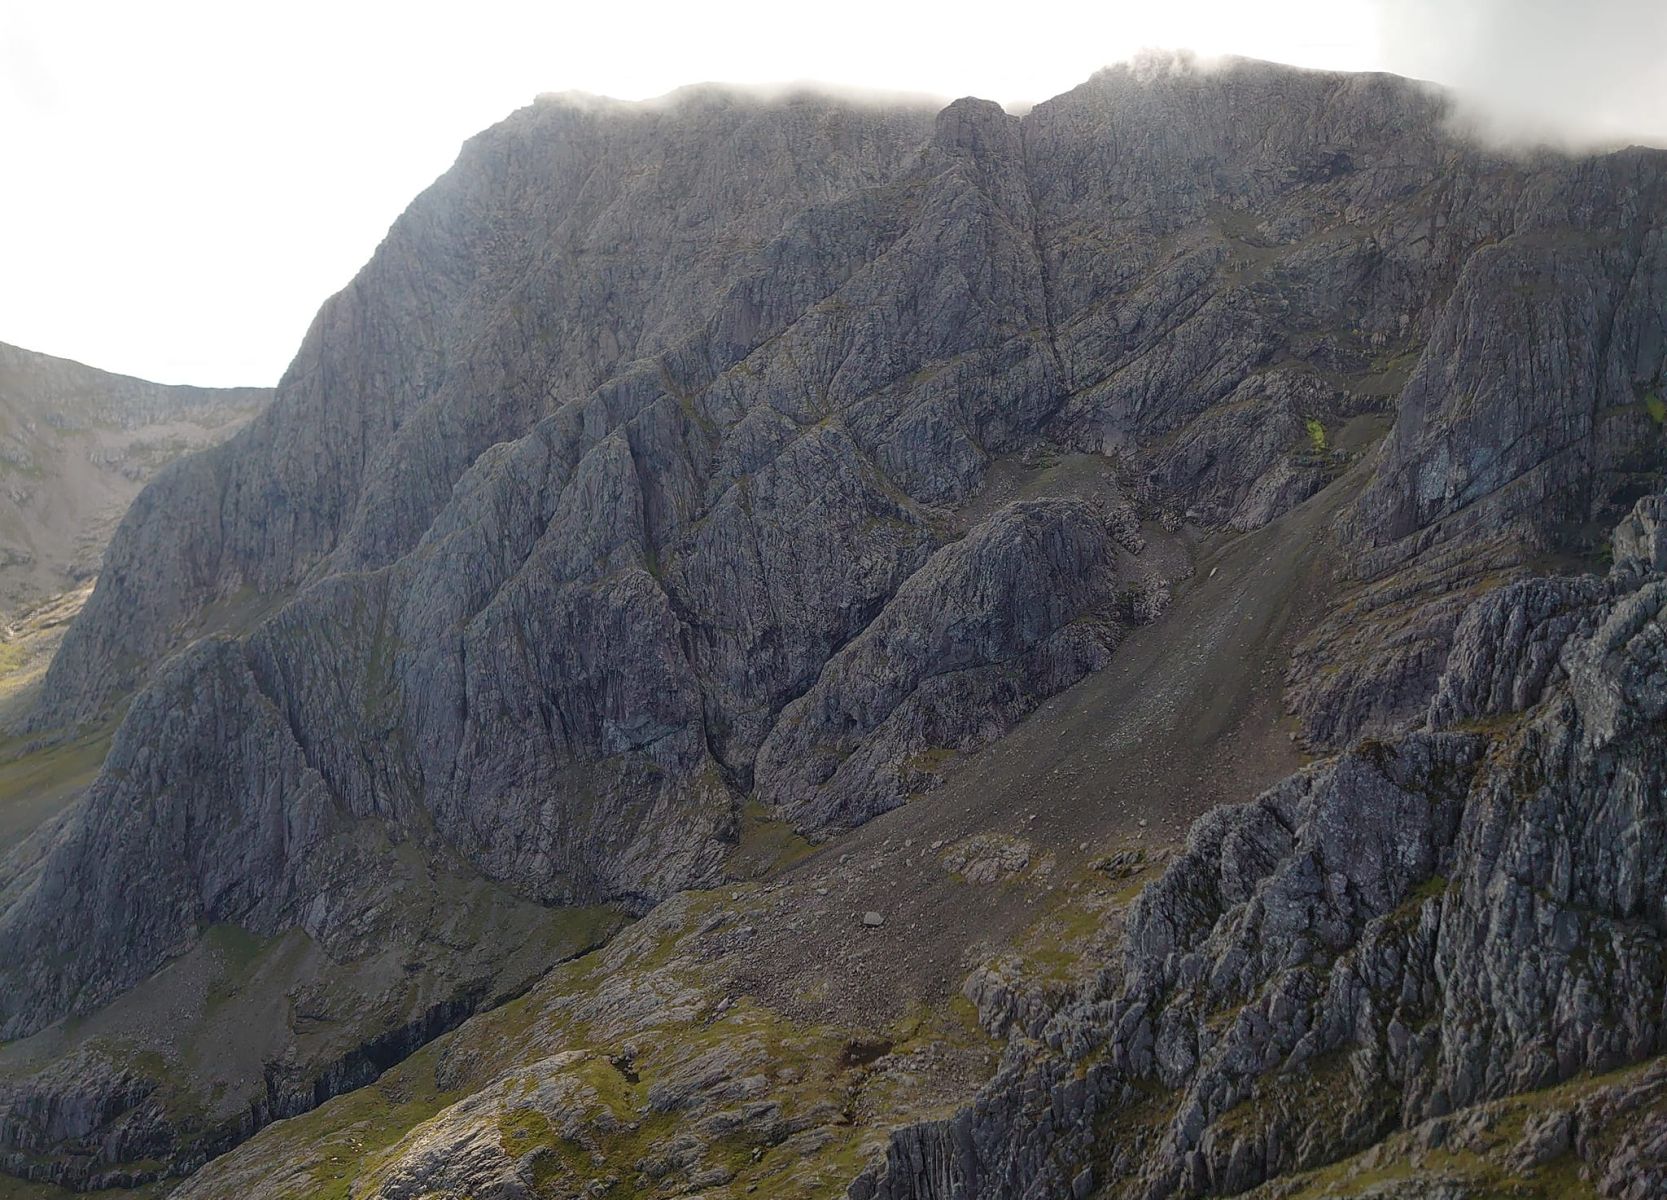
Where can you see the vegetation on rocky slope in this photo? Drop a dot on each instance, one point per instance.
(847, 538)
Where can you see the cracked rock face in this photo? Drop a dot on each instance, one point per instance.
(1417, 926)
(1019, 609)
(654, 465)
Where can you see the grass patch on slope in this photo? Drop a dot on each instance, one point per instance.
(1482, 1169)
(646, 1056)
(36, 784)
(768, 845)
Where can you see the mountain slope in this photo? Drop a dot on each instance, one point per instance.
(682, 475)
(1420, 935)
(1387, 938)
(76, 445)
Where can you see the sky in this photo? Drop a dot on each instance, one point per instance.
(186, 182)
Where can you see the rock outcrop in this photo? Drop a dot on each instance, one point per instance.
(650, 471)
(1021, 608)
(1415, 927)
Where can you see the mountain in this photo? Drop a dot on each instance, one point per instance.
(76, 445)
(698, 680)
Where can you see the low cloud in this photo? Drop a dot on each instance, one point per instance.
(1565, 73)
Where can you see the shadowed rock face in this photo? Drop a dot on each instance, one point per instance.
(636, 475)
(1019, 609)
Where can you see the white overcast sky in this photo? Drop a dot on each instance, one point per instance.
(185, 182)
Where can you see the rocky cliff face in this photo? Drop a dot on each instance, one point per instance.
(1428, 966)
(661, 464)
(1413, 928)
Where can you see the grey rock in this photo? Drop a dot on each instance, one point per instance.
(1411, 928)
(643, 471)
(232, 827)
(1507, 646)
(1643, 535)
(1020, 609)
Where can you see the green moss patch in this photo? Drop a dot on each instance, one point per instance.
(767, 846)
